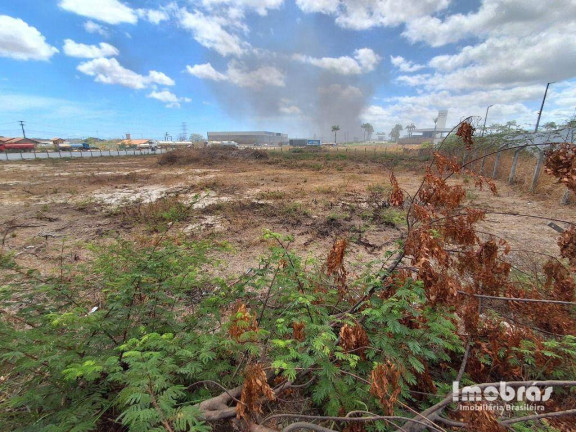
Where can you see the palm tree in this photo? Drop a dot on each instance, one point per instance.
(365, 128)
(395, 132)
(410, 128)
(335, 129)
(368, 131)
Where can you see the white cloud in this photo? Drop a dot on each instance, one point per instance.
(74, 49)
(92, 27)
(405, 65)
(155, 77)
(513, 48)
(238, 74)
(287, 107)
(109, 71)
(364, 60)
(365, 14)
(20, 41)
(494, 17)
(415, 80)
(259, 6)
(318, 6)
(108, 11)
(206, 71)
(516, 44)
(155, 16)
(169, 98)
(367, 59)
(422, 109)
(503, 62)
(209, 32)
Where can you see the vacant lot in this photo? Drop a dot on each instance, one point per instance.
(50, 210)
(149, 291)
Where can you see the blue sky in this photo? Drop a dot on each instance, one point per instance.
(78, 68)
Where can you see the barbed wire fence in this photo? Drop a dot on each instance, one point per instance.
(516, 157)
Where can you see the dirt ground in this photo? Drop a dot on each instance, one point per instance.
(50, 210)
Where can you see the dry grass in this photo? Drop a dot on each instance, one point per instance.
(546, 186)
(317, 197)
(156, 215)
(114, 179)
(209, 156)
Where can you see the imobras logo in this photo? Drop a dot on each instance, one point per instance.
(503, 392)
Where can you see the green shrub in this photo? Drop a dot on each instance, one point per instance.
(123, 340)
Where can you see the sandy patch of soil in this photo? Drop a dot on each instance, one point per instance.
(48, 207)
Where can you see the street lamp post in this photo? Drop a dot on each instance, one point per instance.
(485, 118)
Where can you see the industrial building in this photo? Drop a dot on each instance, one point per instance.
(428, 135)
(9, 140)
(302, 142)
(256, 138)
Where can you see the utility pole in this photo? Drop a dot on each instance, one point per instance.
(542, 106)
(184, 135)
(540, 161)
(23, 131)
(485, 118)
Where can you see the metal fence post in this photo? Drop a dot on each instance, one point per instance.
(482, 164)
(537, 170)
(496, 164)
(513, 168)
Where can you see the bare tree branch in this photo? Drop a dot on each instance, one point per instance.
(517, 299)
(306, 426)
(423, 423)
(433, 413)
(539, 416)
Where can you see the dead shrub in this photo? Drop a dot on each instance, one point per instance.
(242, 322)
(254, 390)
(385, 385)
(209, 156)
(354, 340)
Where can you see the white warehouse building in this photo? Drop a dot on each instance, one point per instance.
(257, 138)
